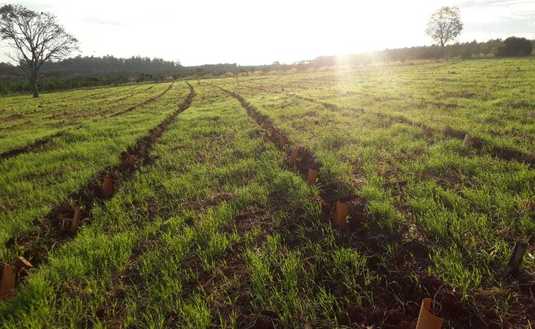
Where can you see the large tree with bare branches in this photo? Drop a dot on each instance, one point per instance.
(36, 38)
(445, 25)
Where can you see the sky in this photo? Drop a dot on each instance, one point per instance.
(249, 32)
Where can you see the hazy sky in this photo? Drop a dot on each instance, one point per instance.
(257, 32)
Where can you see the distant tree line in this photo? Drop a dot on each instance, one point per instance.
(515, 47)
(42, 48)
(90, 71)
(510, 47)
(109, 64)
(472, 49)
(81, 72)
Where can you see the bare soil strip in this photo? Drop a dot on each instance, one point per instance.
(232, 268)
(132, 94)
(487, 312)
(152, 99)
(41, 142)
(79, 115)
(232, 264)
(114, 317)
(505, 153)
(64, 220)
(38, 143)
(339, 204)
(304, 162)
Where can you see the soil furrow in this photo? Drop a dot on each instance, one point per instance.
(39, 143)
(82, 115)
(416, 246)
(348, 212)
(233, 268)
(130, 276)
(152, 99)
(64, 221)
(481, 144)
(65, 113)
(303, 161)
(232, 262)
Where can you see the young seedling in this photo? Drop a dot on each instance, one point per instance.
(22, 266)
(455, 133)
(70, 218)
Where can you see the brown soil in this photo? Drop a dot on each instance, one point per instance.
(145, 102)
(37, 144)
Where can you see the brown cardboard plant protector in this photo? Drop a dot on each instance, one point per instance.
(312, 176)
(7, 282)
(426, 319)
(341, 213)
(107, 186)
(292, 159)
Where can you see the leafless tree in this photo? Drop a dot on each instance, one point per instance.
(36, 37)
(445, 25)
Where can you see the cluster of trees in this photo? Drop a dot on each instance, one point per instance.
(59, 82)
(37, 38)
(80, 72)
(210, 70)
(42, 46)
(515, 47)
(444, 27)
(474, 49)
(110, 64)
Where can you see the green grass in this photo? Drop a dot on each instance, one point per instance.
(25, 119)
(35, 182)
(218, 232)
(217, 209)
(452, 192)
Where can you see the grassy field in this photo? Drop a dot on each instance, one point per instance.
(329, 198)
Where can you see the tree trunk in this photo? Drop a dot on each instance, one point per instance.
(444, 51)
(33, 83)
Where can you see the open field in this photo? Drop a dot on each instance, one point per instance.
(332, 198)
